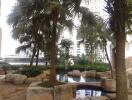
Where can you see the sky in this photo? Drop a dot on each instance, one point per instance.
(9, 44)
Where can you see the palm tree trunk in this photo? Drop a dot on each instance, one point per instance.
(112, 72)
(53, 53)
(120, 7)
(37, 56)
(121, 78)
(32, 58)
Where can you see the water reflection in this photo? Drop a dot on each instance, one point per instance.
(83, 93)
(65, 78)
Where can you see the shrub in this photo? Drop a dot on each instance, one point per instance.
(100, 67)
(31, 71)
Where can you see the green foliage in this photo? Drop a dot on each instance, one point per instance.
(31, 71)
(99, 67)
(83, 60)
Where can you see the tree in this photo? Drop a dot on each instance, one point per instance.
(118, 15)
(66, 44)
(47, 18)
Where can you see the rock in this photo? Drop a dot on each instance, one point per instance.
(91, 73)
(19, 79)
(42, 77)
(64, 92)
(59, 92)
(69, 73)
(76, 73)
(128, 62)
(99, 98)
(15, 78)
(101, 75)
(31, 79)
(9, 77)
(108, 84)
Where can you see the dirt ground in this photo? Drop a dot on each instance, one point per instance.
(12, 92)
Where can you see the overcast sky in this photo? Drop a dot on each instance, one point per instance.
(8, 44)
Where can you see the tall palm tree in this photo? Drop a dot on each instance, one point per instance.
(46, 17)
(118, 14)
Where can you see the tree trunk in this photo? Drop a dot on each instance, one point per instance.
(112, 72)
(90, 58)
(53, 53)
(121, 78)
(32, 58)
(120, 7)
(37, 56)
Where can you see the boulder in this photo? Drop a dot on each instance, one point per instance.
(69, 73)
(31, 79)
(15, 78)
(9, 78)
(76, 73)
(101, 75)
(91, 73)
(108, 84)
(19, 79)
(59, 92)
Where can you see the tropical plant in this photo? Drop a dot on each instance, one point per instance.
(48, 19)
(117, 21)
(66, 44)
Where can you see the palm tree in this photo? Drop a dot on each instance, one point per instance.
(47, 17)
(118, 14)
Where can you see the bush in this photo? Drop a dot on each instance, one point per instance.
(31, 71)
(99, 67)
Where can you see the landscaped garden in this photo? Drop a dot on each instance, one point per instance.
(39, 25)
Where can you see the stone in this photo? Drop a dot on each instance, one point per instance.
(9, 77)
(19, 79)
(91, 73)
(76, 73)
(99, 98)
(108, 84)
(39, 93)
(31, 79)
(113, 96)
(15, 78)
(69, 73)
(101, 75)
(60, 92)
(64, 92)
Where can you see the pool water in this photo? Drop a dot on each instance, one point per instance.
(89, 92)
(83, 91)
(65, 78)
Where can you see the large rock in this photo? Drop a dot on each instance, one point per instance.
(101, 75)
(128, 62)
(108, 84)
(75, 73)
(39, 93)
(19, 79)
(60, 92)
(91, 74)
(9, 77)
(31, 79)
(15, 78)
